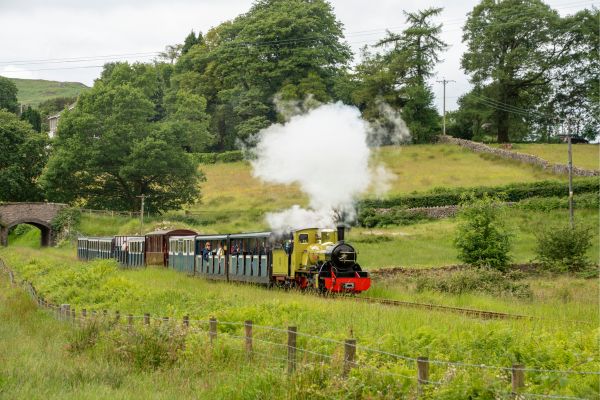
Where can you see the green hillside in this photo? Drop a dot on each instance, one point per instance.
(34, 91)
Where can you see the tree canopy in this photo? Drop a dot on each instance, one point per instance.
(398, 76)
(117, 144)
(8, 95)
(526, 61)
(290, 46)
(24, 155)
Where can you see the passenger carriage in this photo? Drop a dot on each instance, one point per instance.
(181, 254)
(95, 247)
(157, 245)
(130, 251)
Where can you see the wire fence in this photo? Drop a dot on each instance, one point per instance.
(300, 349)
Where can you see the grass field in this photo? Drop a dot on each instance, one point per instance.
(584, 155)
(231, 187)
(34, 91)
(420, 245)
(549, 343)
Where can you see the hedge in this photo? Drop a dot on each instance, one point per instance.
(225, 157)
(513, 192)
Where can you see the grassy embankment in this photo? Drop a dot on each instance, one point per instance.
(550, 343)
(584, 155)
(34, 91)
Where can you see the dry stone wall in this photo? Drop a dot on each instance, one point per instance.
(558, 169)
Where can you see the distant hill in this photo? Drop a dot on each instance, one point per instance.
(33, 91)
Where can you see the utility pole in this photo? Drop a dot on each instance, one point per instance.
(444, 81)
(143, 197)
(571, 219)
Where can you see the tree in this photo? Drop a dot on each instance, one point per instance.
(8, 95)
(33, 117)
(190, 41)
(564, 248)
(517, 49)
(294, 46)
(398, 76)
(109, 149)
(24, 155)
(481, 239)
(171, 53)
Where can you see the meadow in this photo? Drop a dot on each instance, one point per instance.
(230, 187)
(555, 341)
(34, 91)
(421, 245)
(584, 155)
(160, 362)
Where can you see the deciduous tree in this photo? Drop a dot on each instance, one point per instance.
(23, 156)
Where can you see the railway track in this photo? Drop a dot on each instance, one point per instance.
(457, 310)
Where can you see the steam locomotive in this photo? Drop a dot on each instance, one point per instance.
(312, 258)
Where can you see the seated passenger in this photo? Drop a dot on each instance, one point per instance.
(206, 251)
(220, 252)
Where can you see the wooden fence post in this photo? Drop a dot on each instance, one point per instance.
(146, 319)
(130, 320)
(186, 321)
(518, 378)
(212, 325)
(166, 320)
(73, 314)
(349, 354)
(12, 277)
(105, 314)
(292, 330)
(83, 313)
(422, 372)
(117, 316)
(66, 311)
(94, 314)
(248, 332)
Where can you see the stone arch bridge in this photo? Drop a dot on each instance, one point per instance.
(39, 215)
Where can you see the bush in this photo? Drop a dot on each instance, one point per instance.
(481, 239)
(225, 157)
(563, 248)
(586, 200)
(370, 218)
(482, 280)
(513, 192)
(230, 156)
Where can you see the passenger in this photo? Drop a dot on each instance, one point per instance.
(220, 253)
(206, 251)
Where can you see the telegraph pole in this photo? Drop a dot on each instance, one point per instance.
(143, 197)
(571, 219)
(444, 81)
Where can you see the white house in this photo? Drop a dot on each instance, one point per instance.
(53, 121)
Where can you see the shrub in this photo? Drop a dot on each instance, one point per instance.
(585, 200)
(205, 158)
(482, 280)
(513, 192)
(225, 157)
(563, 248)
(370, 218)
(230, 156)
(481, 239)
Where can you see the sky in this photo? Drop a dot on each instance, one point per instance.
(132, 30)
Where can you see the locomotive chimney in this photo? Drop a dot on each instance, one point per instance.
(341, 231)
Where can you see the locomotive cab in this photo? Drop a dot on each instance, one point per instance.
(323, 260)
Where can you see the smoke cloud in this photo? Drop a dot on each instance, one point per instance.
(326, 151)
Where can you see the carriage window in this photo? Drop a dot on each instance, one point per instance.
(303, 238)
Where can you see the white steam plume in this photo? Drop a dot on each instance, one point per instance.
(326, 152)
